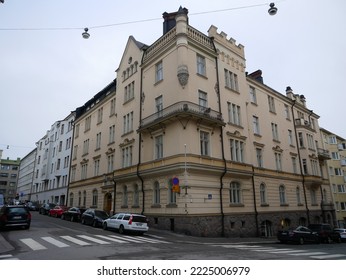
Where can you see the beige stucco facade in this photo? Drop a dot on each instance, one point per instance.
(246, 156)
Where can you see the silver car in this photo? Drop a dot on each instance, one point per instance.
(127, 222)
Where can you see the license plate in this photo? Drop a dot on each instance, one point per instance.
(17, 217)
(139, 224)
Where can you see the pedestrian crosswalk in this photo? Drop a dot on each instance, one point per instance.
(63, 241)
(304, 253)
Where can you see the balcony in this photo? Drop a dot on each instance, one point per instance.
(302, 123)
(179, 111)
(323, 154)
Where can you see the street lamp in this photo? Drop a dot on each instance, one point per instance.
(272, 10)
(85, 34)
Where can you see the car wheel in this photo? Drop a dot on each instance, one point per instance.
(301, 240)
(104, 226)
(121, 229)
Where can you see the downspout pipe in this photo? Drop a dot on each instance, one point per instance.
(254, 200)
(217, 89)
(140, 140)
(300, 165)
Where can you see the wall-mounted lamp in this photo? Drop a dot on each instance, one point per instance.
(272, 10)
(85, 34)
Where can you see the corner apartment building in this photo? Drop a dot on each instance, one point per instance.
(336, 146)
(26, 175)
(52, 164)
(197, 144)
(9, 178)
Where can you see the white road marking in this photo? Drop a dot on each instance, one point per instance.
(34, 245)
(75, 240)
(98, 241)
(55, 242)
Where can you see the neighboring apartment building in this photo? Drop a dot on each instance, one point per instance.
(197, 144)
(52, 163)
(8, 179)
(336, 146)
(26, 175)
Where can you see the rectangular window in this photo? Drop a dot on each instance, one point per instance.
(301, 140)
(128, 123)
(314, 167)
(201, 69)
(252, 92)
(202, 100)
(86, 147)
(96, 167)
(111, 134)
(204, 142)
(159, 106)
(158, 147)
(237, 150)
(98, 141)
(287, 112)
(129, 92)
(305, 166)
(335, 155)
(127, 156)
(110, 166)
(84, 171)
(259, 156)
(234, 114)
(311, 142)
(275, 131)
(87, 123)
(294, 165)
(112, 109)
(99, 115)
(231, 80)
(255, 123)
(158, 72)
(290, 137)
(271, 104)
(278, 161)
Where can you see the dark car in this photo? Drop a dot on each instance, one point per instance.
(33, 206)
(326, 233)
(73, 214)
(15, 216)
(299, 235)
(45, 207)
(94, 217)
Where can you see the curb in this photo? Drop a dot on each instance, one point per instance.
(4, 245)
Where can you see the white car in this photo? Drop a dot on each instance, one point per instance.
(127, 222)
(342, 233)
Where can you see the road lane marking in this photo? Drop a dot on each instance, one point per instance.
(328, 256)
(99, 241)
(55, 242)
(151, 240)
(308, 254)
(75, 240)
(34, 245)
(5, 256)
(112, 238)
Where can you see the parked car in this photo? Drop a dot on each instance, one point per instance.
(57, 211)
(127, 222)
(325, 232)
(94, 217)
(342, 232)
(33, 206)
(15, 216)
(45, 207)
(73, 214)
(299, 235)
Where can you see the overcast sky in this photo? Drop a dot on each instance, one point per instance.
(49, 72)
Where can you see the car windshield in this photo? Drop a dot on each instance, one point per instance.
(17, 211)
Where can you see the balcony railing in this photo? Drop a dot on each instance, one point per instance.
(182, 109)
(323, 154)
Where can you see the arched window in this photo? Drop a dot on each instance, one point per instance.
(95, 198)
(156, 193)
(79, 198)
(84, 198)
(172, 196)
(136, 196)
(71, 199)
(235, 193)
(263, 193)
(282, 195)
